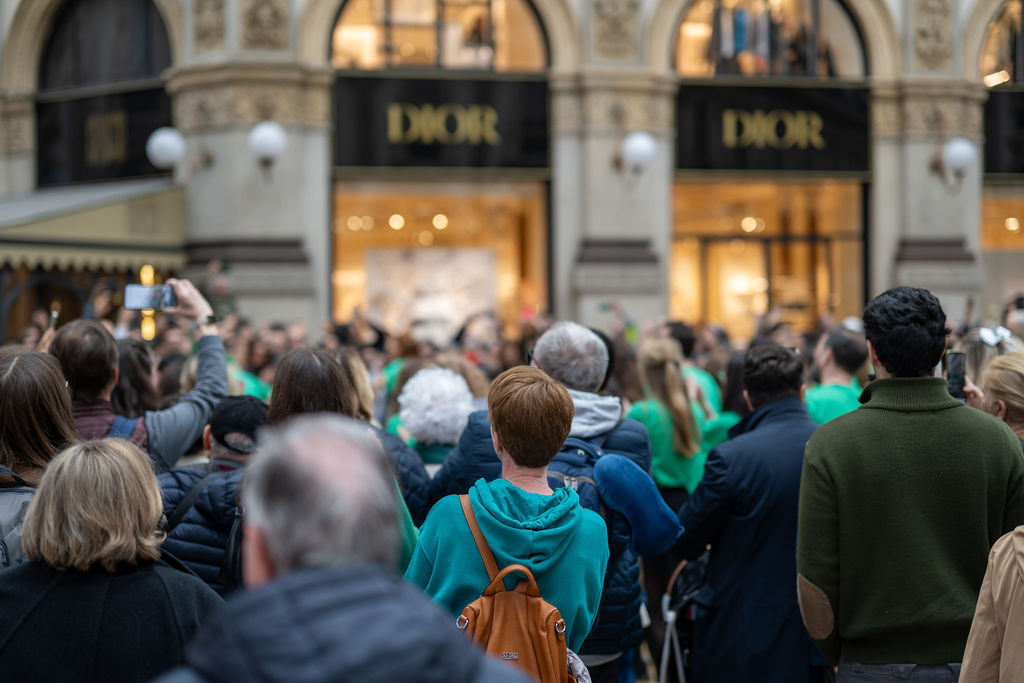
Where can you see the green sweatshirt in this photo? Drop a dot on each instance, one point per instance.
(564, 545)
(670, 468)
(900, 502)
(826, 402)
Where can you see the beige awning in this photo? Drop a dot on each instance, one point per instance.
(113, 226)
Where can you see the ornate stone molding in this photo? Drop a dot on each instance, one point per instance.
(17, 126)
(614, 34)
(929, 109)
(933, 34)
(614, 101)
(220, 96)
(210, 28)
(265, 24)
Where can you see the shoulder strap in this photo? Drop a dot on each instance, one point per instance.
(17, 480)
(478, 536)
(190, 499)
(122, 427)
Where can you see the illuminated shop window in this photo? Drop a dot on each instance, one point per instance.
(498, 35)
(742, 248)
(1001, 55)
(779, 38)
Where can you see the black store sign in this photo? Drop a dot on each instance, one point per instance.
(440, 122)
(98, 138)
(772, 128)
(1004, 131)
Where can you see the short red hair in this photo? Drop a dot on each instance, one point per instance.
(531, 414)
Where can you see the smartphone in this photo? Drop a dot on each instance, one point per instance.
(955, 374)
(137, 297)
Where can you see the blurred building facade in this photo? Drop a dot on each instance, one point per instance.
(449, 156)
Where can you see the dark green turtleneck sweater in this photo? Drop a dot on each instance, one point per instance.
(900, 502)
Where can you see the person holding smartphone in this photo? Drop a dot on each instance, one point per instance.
(89, 359)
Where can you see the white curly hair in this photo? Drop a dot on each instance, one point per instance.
(435, 405)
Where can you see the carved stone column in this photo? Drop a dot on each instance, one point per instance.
(611, 223)
(17, 145)
(932, 239)
(272, 223)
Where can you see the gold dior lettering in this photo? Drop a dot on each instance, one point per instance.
(106, 138)
(778, 129)
(447, 124)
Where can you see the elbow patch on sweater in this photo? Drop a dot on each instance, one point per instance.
(815, 609)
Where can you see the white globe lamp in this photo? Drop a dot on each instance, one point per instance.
(165, 148)
(958, 155)
(638, 150)
(267, 141)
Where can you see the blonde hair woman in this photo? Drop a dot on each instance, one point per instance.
(94, 602)
(1002, 391)
(667, 414)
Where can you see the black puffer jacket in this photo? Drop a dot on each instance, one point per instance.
(412, 476)
(618, 624)
(354, 623)
(200, 537)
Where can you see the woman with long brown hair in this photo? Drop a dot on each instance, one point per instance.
(35, 425)
(676, 459)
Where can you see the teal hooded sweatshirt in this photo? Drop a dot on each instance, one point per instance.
(564, 545)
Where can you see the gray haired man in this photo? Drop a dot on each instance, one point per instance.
(322, 603)
(578, 358)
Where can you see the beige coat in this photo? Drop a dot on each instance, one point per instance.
(995, 648)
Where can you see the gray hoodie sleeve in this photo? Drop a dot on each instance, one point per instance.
(172, 431)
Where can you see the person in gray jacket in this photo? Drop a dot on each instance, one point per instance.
(324, 604)
(87, 354)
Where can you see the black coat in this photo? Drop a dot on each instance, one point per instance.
(748, 624)
(412, 476)
(93, 626)
(335, 624)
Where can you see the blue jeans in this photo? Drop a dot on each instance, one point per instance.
(855, 672)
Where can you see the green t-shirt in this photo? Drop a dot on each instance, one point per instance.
(827, 402)
(669, 467)
(708, 384)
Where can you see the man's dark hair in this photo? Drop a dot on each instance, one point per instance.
(848, 349)
(771, 372)
(87, 354)
(684, 334)
(907, 328)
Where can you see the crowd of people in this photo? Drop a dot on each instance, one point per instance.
(242, 502)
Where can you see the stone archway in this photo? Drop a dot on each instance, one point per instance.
(30, 27)
(975, 28)
(875, 21)
(557, 18)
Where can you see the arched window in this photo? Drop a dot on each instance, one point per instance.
(494, 35)
(777, 38)
(1002, 54)
(100, 91)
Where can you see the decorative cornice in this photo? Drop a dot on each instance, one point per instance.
(242, 94)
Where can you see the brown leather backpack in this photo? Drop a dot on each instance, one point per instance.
(517, 626)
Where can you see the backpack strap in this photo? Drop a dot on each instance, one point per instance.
(190, 499)
(478, 536)
(122, 427)
(17, 480)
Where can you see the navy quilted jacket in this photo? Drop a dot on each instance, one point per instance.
(618, 619)
(412, 476)
(200, 537)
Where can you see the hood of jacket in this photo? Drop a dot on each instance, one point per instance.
(351, 623)
(595, 414)
(526, 528)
